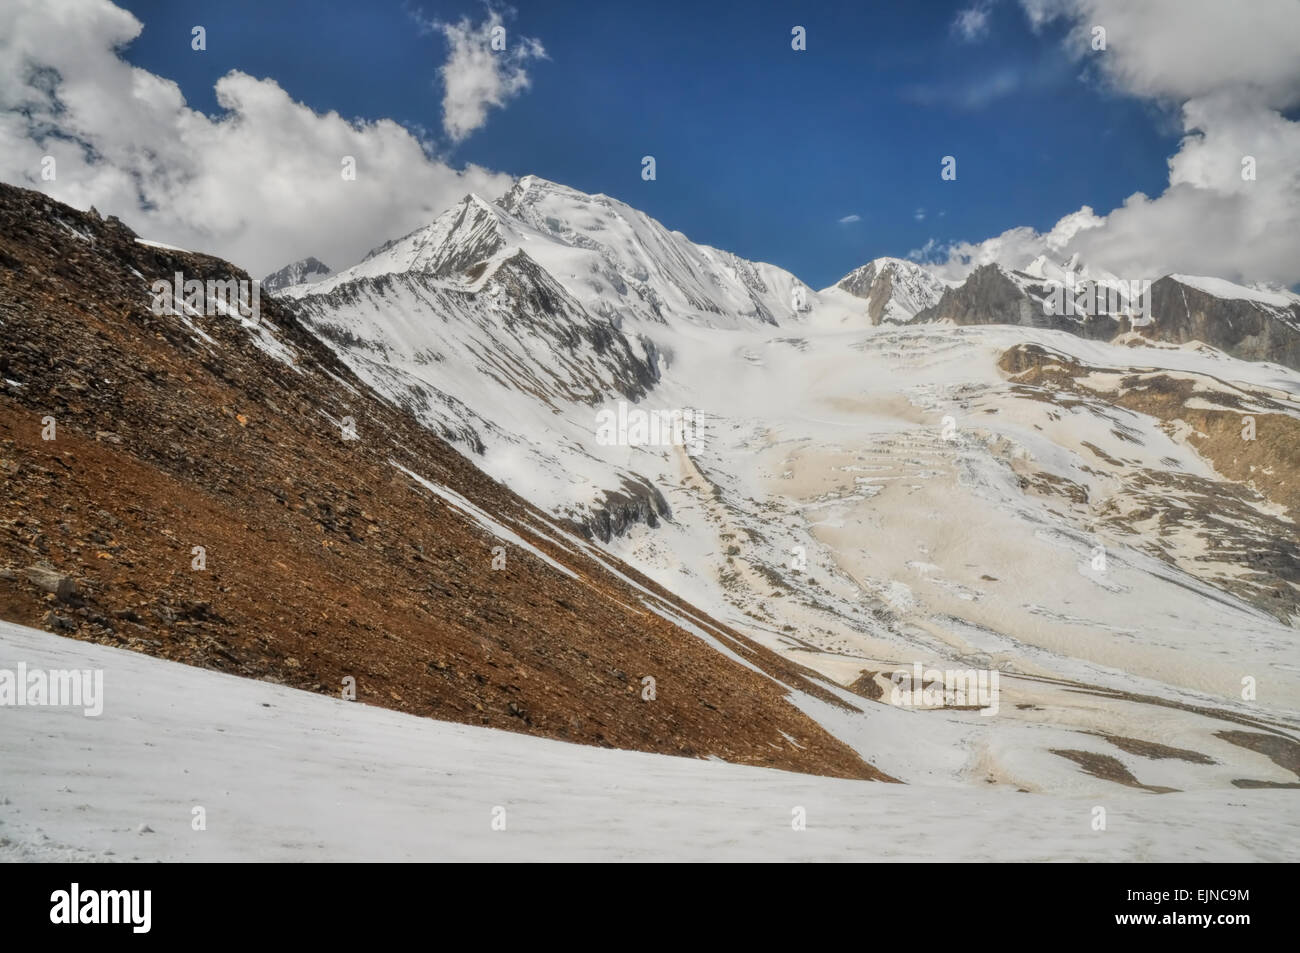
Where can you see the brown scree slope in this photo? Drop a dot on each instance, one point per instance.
(323, 560)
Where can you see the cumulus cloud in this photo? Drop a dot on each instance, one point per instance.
(260, 184)
(1229, 70)
(1185, 49)
(850, 219)
(485, 69)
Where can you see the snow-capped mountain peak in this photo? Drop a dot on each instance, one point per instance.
(621, 262)
(1045, 269)
(894, 289)
(304, 271)
(616, 261)
(470, 233)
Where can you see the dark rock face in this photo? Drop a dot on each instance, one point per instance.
(637, 501)
(873, 284)
(1250, 330)
(987, 296)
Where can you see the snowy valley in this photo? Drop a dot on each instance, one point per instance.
(899, 473)
(873, 487)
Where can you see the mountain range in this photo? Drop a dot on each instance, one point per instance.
(897, 470)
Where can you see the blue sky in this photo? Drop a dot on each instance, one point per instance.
(760, 149)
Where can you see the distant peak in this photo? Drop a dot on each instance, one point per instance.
(305, 270)
(895, 289)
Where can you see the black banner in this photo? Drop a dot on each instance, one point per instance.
(329, 902)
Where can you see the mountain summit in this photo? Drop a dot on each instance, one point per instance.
(299, 272)
(895, 290)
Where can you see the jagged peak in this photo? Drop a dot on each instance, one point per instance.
(302, 271)
(887, 263)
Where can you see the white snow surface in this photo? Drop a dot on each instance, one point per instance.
(285, 775)
(1221, 288)
(162, 245)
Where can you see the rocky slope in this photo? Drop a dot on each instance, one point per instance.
(228, 494)
(1243, 322)
(1235, 527)
(1251, 325)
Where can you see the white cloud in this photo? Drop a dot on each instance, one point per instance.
(849, 219)
(1178, 50)
(1014, 248)
(1229, 69)
(919, 215)
(477, 77)
(972, 23)
(260, 184)
(932, 252)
